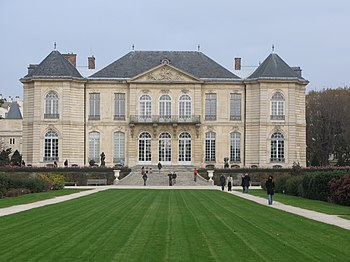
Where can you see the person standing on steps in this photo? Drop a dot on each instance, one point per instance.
(222, 182)
(229, 183)
(144, 177)
(195, 174)
(170, 175)
(159, 166)
(270, 188)
(174, 176)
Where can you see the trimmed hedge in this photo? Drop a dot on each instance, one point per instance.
(340, 190)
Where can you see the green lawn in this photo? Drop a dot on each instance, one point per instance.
(30, 198)
(315, 205)
(167, 225)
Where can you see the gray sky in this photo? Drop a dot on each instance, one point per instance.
(313, 34)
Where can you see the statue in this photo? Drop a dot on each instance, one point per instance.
(103, 157)
(226, 164)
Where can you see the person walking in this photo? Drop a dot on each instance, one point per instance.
(229, 183)
(144, 177)
(246, 183)
(195, 174)
(170, 175)
(222, 182)
(159, 166)
(270, 188)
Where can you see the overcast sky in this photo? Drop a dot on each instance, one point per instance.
(312, 34)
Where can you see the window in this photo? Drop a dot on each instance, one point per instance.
(119, 147)
(277, 147)
(277, 106)
(145, 108)
(145, 147)
(235, 147)
(210, 106)
(185, 107)
(119, 106)
(94, 146)
(94, 106)
(12, 141)
(51, 106)
(210, 138)
(165, 107)
(164, 149)
(185, 146)
(235, 107)
(51, 146)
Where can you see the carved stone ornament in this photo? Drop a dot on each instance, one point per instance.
(210, 128)
(132, 129)
(235, 128)
(145, 91)
(185, 91)
(165, 74)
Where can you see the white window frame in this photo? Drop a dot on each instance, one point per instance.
(210, 106)
(51, 105)
(51, 146)
(95, 103)
(277, 104)
(94, 146)
(235, 106)
(210, 146)
(277, 147)
(119, 106)
(235, 147)
(119, 147)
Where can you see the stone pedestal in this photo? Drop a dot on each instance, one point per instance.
(210, 175)
(116, 174)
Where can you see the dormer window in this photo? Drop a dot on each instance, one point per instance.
(165, 61)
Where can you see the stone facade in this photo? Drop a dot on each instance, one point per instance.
(141, 128)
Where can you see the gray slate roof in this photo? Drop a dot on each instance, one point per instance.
(274, 67)
(137, 62)
(54, 66)
(14, 112)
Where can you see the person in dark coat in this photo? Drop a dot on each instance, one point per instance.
(170, 175)
(174, 176)
(270, 188)
(144, 177)
(246, 183)
(222, 182)
(159, 166)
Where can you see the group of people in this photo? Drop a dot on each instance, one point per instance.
(269, 185)
(172, 178)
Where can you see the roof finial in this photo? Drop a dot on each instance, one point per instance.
(54, 46)
(199, 47)
(273, 48)
(133, 47)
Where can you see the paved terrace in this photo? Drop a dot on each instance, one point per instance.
(321, 217)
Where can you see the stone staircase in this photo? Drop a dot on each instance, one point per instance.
(184, 177)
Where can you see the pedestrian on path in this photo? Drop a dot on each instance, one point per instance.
(246, 183)
(195, 174)
(270, 188)
(229, 183)
(222, 182)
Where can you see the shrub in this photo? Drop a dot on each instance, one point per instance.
(315, 186)
(3, 184)
(340, 190)
(33, 184)
(13, 192)
(57, 181)
(280, 183)
(47, 181)
(294, 185)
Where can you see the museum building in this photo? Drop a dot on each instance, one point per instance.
(173, 107)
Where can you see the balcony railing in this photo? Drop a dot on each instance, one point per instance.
(277, 117)
(157, 119)
(51, 116)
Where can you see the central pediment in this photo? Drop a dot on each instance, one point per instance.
(165, 73)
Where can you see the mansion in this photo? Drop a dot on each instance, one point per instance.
(173, 107)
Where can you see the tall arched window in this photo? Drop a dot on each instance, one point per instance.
(164, 147)
(185, 148)
(94, 146)
(119, 147)
(145, 152)
(51, 105)
(145, 108)
(165, 107)
(210, 141)
(235, 147)
(277, 106)
(277, 147)
(51, 146)
(185, 107)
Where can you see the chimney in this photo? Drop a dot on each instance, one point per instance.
(17, 99)
(72, 58)
(91, 62)
(237, 63)
(10, 99)
(31, 68)
(297, 70)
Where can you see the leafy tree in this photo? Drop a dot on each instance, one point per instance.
(327, 126)
(4, 157)
(16, 158)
